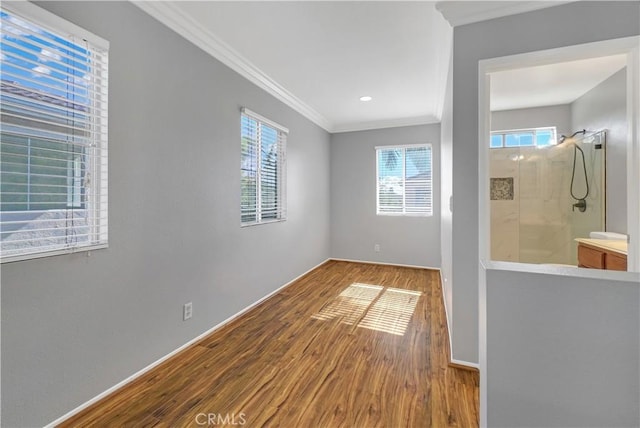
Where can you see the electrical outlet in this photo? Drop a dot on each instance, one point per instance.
(187, 311)
(376, 248)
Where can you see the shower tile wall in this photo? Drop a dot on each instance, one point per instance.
(505, 213)
(532, 227)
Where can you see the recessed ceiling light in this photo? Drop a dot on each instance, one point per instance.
(366, 98)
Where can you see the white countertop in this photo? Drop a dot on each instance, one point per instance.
(614, 245)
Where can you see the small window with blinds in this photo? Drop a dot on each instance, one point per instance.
(53, 145)
(263, 170)
(404, 180)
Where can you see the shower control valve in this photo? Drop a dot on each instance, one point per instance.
(581, 205)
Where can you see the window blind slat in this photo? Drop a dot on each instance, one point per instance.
(39, 73)
(61, 113)
(50, 52)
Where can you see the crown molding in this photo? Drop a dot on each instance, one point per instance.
(180, 22)
(466, 12)
(390, 123)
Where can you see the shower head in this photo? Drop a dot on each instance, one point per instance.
(564, 138)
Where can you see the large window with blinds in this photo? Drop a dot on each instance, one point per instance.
(263, 170)
(404, 180)
(53, 145)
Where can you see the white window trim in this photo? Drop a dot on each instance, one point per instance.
(403, 214)
(56, 25)
(263, 119)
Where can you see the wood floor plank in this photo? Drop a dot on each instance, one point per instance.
(348, 345)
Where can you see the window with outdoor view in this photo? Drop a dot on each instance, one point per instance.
(263, 170)
(404, 180)
(537, 137)
(53, 147)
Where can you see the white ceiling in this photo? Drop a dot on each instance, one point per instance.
(553, 84)
(320, 57)
(325, 55)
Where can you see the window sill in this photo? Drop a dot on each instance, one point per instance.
(404, 214)
(23, 257)
(280, 220)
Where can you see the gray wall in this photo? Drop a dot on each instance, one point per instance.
(73, 326)
(514, 313)
(535, 117)
(538, 30)
(355, 227)
(562, 351)
(605, 107)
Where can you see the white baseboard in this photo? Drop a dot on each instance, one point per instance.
(383, 263)
(446, 314)
(465, 363)
(174, 352)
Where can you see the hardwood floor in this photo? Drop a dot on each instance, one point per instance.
(348, 345)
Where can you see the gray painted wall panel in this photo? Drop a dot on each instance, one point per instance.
(73, 326)
(536, 117)
(561, 351)
(355, 227)
(605, 108)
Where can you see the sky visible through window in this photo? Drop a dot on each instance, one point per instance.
(523, 138)
(40, 60)
(390, 163)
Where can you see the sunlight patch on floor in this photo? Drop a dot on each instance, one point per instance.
(350, 304)
(392, 312)
(384, 309)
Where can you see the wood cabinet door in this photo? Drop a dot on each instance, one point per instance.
(588, 257)
(616, 262)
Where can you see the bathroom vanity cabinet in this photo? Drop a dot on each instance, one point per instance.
(602, 254)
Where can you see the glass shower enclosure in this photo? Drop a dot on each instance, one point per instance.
(544, 197)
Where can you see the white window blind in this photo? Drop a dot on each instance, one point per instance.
(53, 126)
(404, 180)
(263, 170)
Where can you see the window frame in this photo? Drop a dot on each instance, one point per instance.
(97, 223)
(404, 147)
(281, 185)
(503, 133)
